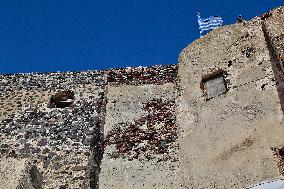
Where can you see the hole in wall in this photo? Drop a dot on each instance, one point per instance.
(61, 99)
(263, 86)
(214, 84)
(230, 63)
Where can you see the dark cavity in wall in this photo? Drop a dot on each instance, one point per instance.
(61, 99)
(97, 151)
(97, 143)
(36, 177)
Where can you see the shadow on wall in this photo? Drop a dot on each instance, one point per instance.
(96, 160)
(277, 70)
(97, 144)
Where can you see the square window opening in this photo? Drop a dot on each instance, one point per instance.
(214, 84)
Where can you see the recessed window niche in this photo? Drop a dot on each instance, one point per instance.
(62, 99)
(214, 84)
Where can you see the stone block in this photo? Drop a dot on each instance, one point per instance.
(215, 86)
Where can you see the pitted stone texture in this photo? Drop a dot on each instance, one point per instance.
(139, 174)
(141, 145)
(58, 142)
(215, 86)
(125, 103)
(51, 80)
(19, 174)
(225, 142)
(156, 75)
(18, 91)
(13, 101)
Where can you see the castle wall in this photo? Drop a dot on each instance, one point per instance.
(61, 142)
(226, 141)
(273, 26)
(140, 166)
(274, 32)
(141, 136)
(67, 144)
(213, 121)
(20, 91)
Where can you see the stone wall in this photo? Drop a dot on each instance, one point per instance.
(272, 26)
(213, 121)
(61, 142)
(67, 144)
(141, 149)
(141, 138)
(20, 91)
(226, 134)
(19, 174)
(142, 75)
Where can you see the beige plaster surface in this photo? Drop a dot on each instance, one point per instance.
(226, 142)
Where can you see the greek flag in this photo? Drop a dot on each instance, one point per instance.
(210, 23)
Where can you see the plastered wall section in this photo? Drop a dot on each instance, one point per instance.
(140, 166)
(225, 142)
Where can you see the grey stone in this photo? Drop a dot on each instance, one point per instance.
(87, 141)
(42, 142)
(4, 146)
(215, 86)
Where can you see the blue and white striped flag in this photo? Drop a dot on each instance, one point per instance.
(210, 23)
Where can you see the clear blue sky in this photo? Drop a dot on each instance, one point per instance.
(62, 35)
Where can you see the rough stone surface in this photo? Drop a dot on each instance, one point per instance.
(66, 143)
(141, 138)
(61, 142)
(19, 174)
(226, 142)
(215, 86)
(215, 120)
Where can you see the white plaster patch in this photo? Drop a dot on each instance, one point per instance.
(265, 84)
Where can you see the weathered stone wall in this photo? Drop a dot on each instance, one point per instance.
(20, 91)
(274, 33)
(141, 149)
(273, 26)
(142, 75)
(19, 174)
(129, 128)
(61, 142)
(67, 144)
(226, 141)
